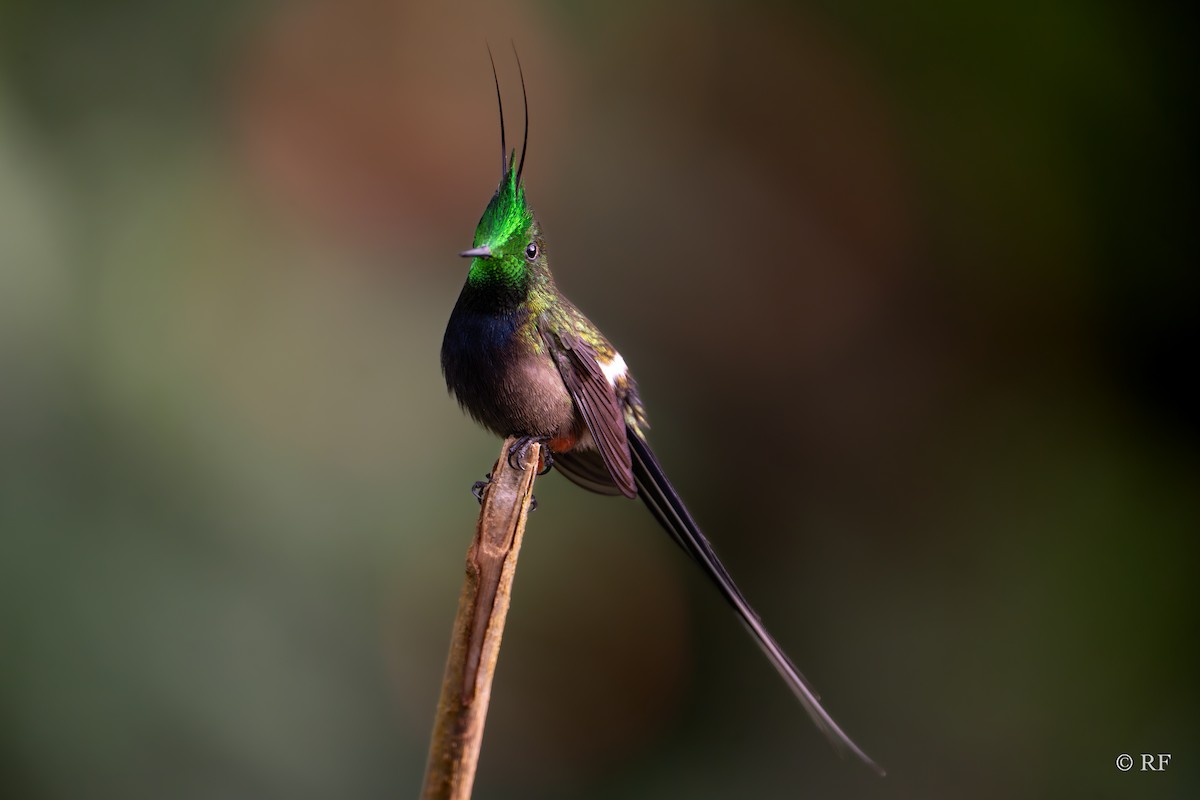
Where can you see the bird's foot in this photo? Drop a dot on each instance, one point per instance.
(520, 449)
(478, 487)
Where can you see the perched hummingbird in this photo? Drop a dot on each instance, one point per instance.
(525, 362)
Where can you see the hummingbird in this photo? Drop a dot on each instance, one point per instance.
(524, 361)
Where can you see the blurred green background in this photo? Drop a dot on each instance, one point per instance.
(906, 292)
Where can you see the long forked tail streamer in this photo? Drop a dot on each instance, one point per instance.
(665, 504)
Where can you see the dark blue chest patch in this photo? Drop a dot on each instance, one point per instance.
(479, 348)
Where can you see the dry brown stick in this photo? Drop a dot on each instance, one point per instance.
(478, 626)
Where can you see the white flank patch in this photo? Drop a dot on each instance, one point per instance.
(614, 369)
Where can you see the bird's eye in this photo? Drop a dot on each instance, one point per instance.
(531, 251)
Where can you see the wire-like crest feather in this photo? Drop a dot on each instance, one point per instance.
(500, 103)
(525, 101)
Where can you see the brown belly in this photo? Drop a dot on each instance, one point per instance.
(504, 381)
(535, 402)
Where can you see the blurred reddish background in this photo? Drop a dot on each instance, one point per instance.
(907, 293)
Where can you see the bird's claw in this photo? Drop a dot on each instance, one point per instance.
(478, 487)
(520, 448)
(516, 457)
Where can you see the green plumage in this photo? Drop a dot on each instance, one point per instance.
(504, 229)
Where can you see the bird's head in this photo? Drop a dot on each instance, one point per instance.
(508, 242)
